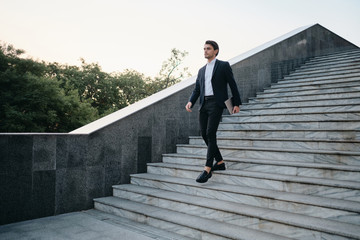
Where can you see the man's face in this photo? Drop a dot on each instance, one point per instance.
(209, 51)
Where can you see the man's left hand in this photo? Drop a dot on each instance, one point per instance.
(236, 109)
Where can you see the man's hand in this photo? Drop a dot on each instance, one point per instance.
(236, 109)
(188, 107)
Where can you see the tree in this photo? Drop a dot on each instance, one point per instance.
(33, 101)
(170, 72)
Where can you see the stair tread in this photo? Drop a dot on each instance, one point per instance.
(352, 168)
(355, 153)
(334, 203)
(313, 223)
(269, 176)
(195, 222)
(283, 139)
(146, 230)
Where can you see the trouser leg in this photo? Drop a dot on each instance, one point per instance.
(209, 118)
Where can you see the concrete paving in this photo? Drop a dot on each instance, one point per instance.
(87, 225)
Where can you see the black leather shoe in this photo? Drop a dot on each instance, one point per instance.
(218, 167)
(203, 177)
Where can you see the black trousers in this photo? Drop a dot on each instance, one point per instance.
(209, 118)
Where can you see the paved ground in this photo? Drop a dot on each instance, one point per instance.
(82, 225)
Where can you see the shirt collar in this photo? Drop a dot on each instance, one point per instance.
(212, 62)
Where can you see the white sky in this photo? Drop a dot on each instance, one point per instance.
(139, 34)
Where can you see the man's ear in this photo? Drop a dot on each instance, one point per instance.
(216, 52)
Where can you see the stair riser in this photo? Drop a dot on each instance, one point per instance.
(336, 135)
(309, 210)
(277, 185)
(306, 104)
(277, 155)
(323, 76)
(337, 56)
(313, 87)
(290, 126)
(290, 231)
(310, 82)
(270, 100)
(343, 90)
(159, 223)
(329, 62)
(327, 114)
(326, 70)
(277, 169)
(282, 144)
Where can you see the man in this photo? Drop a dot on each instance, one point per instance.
(211, 87)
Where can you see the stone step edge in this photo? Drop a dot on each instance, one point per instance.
(268, 176)
(248, 122)
(304, 90)
(272, 215)
(281, 85)
(330, 75)
(312, 100)
(310, 80)
(255, 114)
(188, 221)
(289, 150)
(337, 167)
(289, 130)
(338, 53)
(333, 203)
(282, 139)
(261, 96)
(146, 230)
(329, 61)
(337, 67)
(310, 87)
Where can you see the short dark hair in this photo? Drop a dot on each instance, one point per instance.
(214, 45)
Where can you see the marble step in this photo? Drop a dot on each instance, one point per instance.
(327, 69)
(339, 74)
(297, 155)
(329, 171)
(337, 55)
(311, 79)
(295, 226)
(331, 134)
(315, 206)
(338, 189)
(341, 94)
(147, 231)
(292, 125)
(320, 83)
(314, 87)
(179, 223)
(312, 63)
(285, 143)
(303, 104)
(323, 91)
(295, 114)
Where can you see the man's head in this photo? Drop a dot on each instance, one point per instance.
(211, 49)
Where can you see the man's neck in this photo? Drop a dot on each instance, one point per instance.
(209, 60)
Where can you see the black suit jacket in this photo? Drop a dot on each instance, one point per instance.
(222, 76)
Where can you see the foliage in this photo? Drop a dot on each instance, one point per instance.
(50, 97)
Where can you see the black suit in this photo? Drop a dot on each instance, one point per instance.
(211, 108)
(222, 75)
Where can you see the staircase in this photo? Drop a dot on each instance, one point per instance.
(293, 166)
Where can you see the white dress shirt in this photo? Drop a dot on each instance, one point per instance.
(208, 75)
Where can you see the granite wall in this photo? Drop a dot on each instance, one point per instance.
(47, 174)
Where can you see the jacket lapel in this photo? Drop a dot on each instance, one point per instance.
(215, 68)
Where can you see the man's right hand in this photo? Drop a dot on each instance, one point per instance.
(188, 107)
